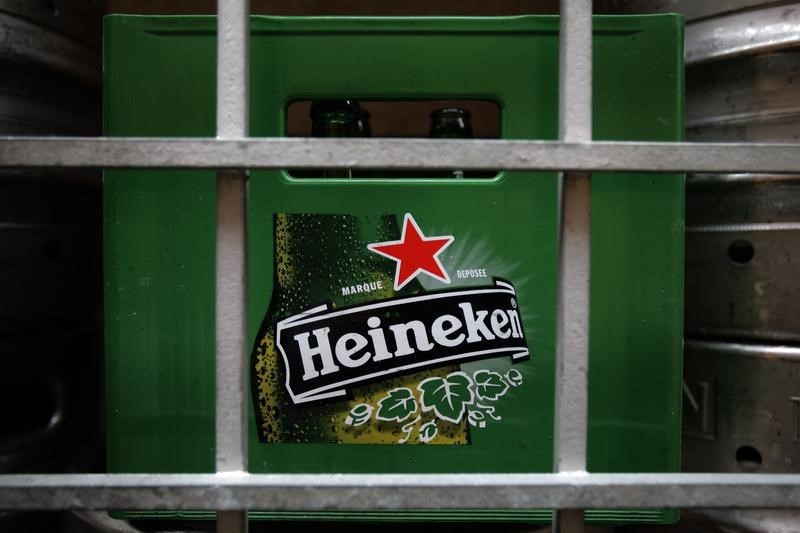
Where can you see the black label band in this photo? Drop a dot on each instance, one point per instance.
(326, 351)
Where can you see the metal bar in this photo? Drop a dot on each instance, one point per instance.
(231, 312)
(231, 422)
(233, 57)
(572, 327)
(574, 208)
(575, 71)
(33, 152)
(396, 491)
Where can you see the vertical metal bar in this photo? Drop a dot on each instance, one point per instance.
(233, 35)
(575, 71)
(572, 325)
(572, 344)
(233, 81)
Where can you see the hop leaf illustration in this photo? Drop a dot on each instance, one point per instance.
(359, 415)
(489, 385)
(447, 397)
(514, 377)
(398, 405)
(427, 432)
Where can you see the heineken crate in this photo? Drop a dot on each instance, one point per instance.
(397, 324)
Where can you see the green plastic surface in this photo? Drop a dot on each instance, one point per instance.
(159, 234)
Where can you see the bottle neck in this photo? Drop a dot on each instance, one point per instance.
(334, 119)
(332, 125)
(451, 123)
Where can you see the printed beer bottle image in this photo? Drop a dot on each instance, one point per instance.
(323, 261)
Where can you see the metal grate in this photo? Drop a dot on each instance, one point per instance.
(232, 490)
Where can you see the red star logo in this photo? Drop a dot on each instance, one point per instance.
(414, 253)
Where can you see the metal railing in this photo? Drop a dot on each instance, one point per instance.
(232, 490)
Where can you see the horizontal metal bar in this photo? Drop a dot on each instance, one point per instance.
(306, 492)
(398, 153)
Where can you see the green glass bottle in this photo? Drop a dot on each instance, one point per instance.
(363, 128)
(451, 123)
(311, 269)
(335, 118)
(363, 124)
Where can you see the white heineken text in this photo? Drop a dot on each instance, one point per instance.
(322, 355)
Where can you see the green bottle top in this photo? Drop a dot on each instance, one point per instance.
(334, 118)
(451, 123)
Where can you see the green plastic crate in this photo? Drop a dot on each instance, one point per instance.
(159, 257)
